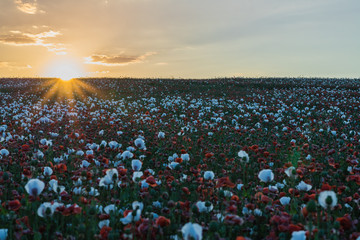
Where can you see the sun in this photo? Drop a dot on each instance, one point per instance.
(65, 69)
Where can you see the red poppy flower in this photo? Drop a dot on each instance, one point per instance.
(325, 187)
(241, 238)
(235, 198)
(186, 190)
(104, 232)
(14, 205)
(233, 219)
(61, 168)
(225, 182)
(25, 148)
(331, 152)
(162, 221)
(209, 155)
(151, 181)
(295, 228)
(345, 222)
(104, 216)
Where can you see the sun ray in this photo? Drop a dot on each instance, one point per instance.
(59, 90)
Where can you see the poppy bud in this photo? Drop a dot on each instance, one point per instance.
(173, 184)
(328, 200)
(5, 176)
(282, 235)
(213, 226)
(114, 177)
(221, 194)
(153, 192)
(113, 235)
(321, 233)
(149, 209)
(48, 211)
(165, 195)
(195, 209)
(311, 206)
(171, 204)
(92, 211)
(82, 228)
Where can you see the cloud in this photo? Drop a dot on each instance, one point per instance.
(99, 72)
(12, 66)
(27, 6)
(18, 38)
(119, 60)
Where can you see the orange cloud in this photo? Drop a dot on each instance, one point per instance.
(11, 66)
(118, 60)
(27, 6)
(17, 38)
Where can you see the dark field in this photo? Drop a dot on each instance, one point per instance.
(172, 159)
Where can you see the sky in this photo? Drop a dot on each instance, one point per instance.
(180, 38)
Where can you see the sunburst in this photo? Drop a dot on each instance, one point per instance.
(64, 69)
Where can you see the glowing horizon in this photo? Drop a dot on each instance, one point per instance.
(187, 39)
(66, 69)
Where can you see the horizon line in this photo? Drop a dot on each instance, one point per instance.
(194, 78)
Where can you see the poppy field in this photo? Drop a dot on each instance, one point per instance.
(179, 159)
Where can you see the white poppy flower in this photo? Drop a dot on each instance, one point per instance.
(137, 205)
(290, 171)
(132, 216)
(47, 209)
(266, 175)
(244, 156)
(114, 145)
(302, 186)
(139, 143)
(34, 187)
(327, 199)
(136, 165)
(298, 235)
(104, 223)
(3, 234)
(4, 152)
(285, 200)
(137, 175)
(161, 135)
(47, 171)
(185, 157)
(209, 175)
(204, 206)
(192, 231)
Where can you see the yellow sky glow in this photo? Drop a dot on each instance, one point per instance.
(185, 39)
(65, 69)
